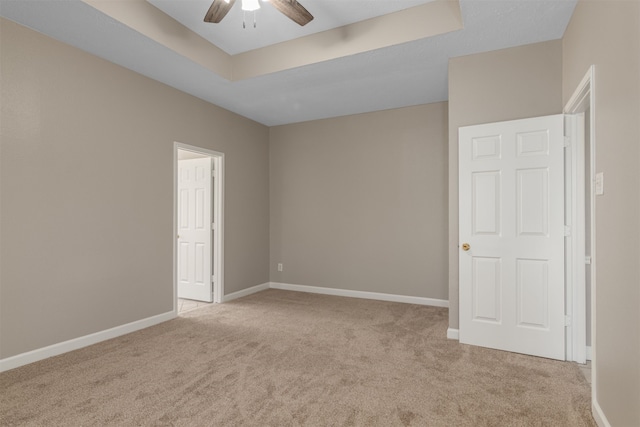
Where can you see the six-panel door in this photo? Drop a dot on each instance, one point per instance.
(511, 205)
(194, 229)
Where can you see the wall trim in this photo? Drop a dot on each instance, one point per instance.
(598, 415)
(453, 334)
(360, 294)
(588, 352)
(80, 342)
(246, 292)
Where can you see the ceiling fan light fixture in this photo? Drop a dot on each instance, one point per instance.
(290, 8)
(250, 5)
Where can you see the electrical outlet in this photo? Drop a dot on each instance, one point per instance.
(279, 266)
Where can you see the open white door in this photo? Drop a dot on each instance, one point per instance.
(512, 236)
(194, 229)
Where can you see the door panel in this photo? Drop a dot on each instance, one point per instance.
(487, 289)
(532, 290)
(512, 216)
(532, 202)
(486, 203)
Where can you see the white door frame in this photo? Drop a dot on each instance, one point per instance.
(583, 99)
(575, 249)
(217, 213)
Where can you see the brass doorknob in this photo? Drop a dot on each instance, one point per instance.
(466, 247)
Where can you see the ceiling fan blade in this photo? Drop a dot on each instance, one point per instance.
(218, 10)
(293, 10)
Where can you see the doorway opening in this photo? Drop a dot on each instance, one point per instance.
(198, 227)
(581, 335)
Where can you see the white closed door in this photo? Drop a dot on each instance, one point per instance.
(511, 187)
(194, 229)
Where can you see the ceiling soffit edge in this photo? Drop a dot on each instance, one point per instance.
(428, 20)
(163, 29)
(419, 22)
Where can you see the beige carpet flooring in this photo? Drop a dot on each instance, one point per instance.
(280, 358)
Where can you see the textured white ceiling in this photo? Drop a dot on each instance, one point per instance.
(271, 26)
(402, 75)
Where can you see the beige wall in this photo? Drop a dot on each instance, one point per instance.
(360, 202)
(607, 34)
(87, 194)
(502, 85)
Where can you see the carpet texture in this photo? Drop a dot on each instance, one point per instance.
(281, 358)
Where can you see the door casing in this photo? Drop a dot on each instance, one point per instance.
(582, 101)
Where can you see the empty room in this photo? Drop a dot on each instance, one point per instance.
(320, 212)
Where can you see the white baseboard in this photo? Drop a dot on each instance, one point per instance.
(598, 415)
(453, 334)
(245, 292)
(588, 353)
(360, 294)
(87, 340)
(77, 343)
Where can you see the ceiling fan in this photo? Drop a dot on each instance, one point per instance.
(290, 8)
